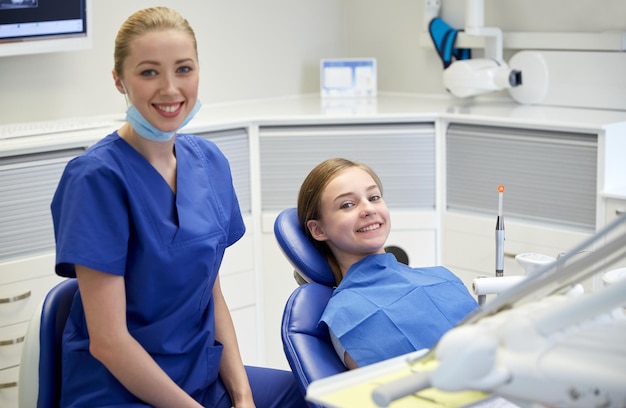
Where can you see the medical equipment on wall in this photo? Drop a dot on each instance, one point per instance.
(470, 77)
(478, 76)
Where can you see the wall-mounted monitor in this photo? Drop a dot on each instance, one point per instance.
(41, 26)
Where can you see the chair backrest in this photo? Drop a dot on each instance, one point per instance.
(40, 365)
(307, 347)
(308, 262)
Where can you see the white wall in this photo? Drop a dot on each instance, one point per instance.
(248, 49)
(391, 29)
(252, 49)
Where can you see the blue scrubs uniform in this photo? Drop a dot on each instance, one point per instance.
(382, 308)
(115, 213)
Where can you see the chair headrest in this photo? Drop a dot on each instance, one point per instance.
(299, 250)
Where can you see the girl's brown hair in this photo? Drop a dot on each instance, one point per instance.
(310, 200)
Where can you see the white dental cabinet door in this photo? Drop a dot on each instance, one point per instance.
(549, 202)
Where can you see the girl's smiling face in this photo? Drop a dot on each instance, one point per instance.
(354, 219)
(161, 76)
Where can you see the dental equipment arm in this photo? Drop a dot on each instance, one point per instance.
(560, 351)
(472, 77)
(535, 343)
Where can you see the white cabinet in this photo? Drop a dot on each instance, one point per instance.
(238, 272)
(238, 279)
(550, 180)
(27, 182)
(615, 208)
(550, 176)
(8, 387)
(469, 243)
(23, 284)
(413, 231)
(277, 283)
(235, 144)
(440, 164)
(402, 154)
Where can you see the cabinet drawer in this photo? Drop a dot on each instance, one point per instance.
(20, 269)
(614, 209)
(11, 342)
(8, 387)
(18, 300)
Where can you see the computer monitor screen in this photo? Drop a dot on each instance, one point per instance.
(39, 26)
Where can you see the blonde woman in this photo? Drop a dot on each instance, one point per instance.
(142, 220)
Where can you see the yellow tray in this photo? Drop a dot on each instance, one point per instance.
(354, 388)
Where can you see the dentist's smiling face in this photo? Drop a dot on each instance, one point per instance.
(354, 219)
(161, 76)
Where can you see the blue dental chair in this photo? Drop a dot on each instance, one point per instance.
(308, 348)
(40, 366)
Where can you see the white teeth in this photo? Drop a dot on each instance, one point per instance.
(168, 108)
(370, 228)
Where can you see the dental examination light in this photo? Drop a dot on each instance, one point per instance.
(471, 77)
(479, 76)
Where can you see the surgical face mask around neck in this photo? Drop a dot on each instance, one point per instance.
(146, 130)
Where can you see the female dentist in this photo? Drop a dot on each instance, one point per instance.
(142, 220)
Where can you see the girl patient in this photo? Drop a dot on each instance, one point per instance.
(381, 308)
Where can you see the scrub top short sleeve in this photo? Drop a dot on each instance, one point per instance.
(115, 213)
(91, 218)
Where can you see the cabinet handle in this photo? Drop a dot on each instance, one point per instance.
(15, 298)
(11, 342)
(619, 212)
(11, 384)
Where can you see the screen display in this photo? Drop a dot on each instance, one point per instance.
(21, 20)
(44, 26)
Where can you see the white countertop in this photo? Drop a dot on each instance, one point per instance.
(405, 107)
(311, 109)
